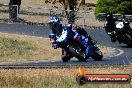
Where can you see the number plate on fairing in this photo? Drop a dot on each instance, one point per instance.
(120, 25)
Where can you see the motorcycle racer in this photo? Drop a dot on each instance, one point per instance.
(110, 26)
(57, 28)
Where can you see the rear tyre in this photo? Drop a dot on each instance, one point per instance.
(77, 51)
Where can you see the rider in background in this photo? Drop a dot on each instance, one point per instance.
(111, 26)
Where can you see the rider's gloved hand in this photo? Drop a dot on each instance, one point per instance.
(54, 45)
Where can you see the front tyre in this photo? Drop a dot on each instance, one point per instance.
(66, 58)
(97, 56)
(129, 42)
(77, 51)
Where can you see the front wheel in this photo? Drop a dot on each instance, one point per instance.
(97, 56)
(129, 42)
(66, 58)
(77, 51)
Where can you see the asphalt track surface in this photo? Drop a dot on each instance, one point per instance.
(97, 34)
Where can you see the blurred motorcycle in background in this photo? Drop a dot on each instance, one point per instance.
(118, 29)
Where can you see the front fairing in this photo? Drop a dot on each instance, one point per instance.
(63, 37)
(119, 25)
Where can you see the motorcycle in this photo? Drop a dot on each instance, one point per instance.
(118, 29)
(74, 47)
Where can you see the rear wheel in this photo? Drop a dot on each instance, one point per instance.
(78, 52)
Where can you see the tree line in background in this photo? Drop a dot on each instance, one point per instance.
(114, 6)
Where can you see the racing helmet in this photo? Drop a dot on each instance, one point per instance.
(109, 16)
(54, 22)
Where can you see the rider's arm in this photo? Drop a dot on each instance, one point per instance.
(52, 37)
(51, 34)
